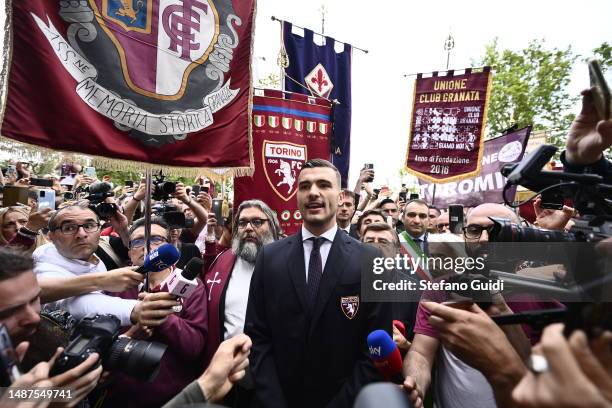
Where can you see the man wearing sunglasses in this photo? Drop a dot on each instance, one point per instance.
(71, 275)
(181, 325)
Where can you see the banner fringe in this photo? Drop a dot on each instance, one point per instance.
(215, 174)
(7, 55)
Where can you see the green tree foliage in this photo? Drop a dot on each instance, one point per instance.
(604, 54)
(529, 87)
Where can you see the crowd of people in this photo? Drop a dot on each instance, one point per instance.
(276, 320)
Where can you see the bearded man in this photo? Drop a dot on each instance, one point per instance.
(228, 278)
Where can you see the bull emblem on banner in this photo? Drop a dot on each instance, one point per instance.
(282, 162)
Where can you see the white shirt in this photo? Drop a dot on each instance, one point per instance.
(458, 385)
(50, 263)
(329, 236)
(236, 298)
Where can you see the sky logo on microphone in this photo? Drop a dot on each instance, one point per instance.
(375, 351)
(154, 254)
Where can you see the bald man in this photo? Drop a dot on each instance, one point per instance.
(476, 230)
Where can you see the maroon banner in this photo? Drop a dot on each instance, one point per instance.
(288, 130)
(488, 186)
(161, 82)
(448, 121)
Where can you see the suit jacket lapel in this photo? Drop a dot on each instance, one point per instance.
(297, 269)
(334, 267)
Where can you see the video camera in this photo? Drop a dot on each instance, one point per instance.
(162, 188)
(97, 193)
(587, 284)
(100, 334)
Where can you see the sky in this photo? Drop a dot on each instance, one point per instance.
(406, 37)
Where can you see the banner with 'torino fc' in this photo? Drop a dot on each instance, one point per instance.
(447, 126)
(158, 81)
(288, 130)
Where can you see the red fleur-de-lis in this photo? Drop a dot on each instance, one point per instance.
(320, 80)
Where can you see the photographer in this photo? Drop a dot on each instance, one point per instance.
(199, 212)
(19, 312)
(184, 332)
(63, 268)
(479, 361)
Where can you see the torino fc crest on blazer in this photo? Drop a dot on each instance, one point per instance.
(282, 164)
(155, 67)
(349, 306)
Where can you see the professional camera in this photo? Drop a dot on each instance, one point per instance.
(586, 285)
(100, 334)
(97, 193)
(162, 188)
(172, 215)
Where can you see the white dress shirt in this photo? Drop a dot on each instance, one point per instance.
(236, 297)
(329, 236)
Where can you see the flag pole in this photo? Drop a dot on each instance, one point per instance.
(449, 44)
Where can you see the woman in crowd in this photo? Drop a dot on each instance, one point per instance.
(21, 227)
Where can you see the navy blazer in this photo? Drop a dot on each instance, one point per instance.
(318, 358)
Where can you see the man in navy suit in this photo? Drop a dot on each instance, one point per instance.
(305, 315)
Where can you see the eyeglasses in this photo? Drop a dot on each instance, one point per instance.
(256, 223)
(71, 229)
(475, 231)
(155, 239)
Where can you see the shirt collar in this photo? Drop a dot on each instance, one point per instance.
(329, 235)
(422, 237)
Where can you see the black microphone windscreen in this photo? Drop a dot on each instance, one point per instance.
(193, 268)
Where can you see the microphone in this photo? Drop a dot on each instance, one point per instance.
(184, 283)
(382, 395)
(399, 325)
(386, 356)
(162, 258)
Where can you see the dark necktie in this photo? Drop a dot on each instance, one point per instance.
(315, 270)
(419, 242)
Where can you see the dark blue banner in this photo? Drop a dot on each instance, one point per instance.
(325, 73)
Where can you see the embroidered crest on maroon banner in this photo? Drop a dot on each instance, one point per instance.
(323, 127)
(282, 164)
(157, 68)
(349, 306)
(287, 123)
(273, 121)
(318, 81)
(298, 124)
(311, 127)
(258, 120)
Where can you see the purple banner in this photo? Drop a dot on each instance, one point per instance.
(488, 185)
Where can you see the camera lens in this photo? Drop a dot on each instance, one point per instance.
(100, 187)
(137, 358)
(105, 210)
(504, 231)
(168, 187)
